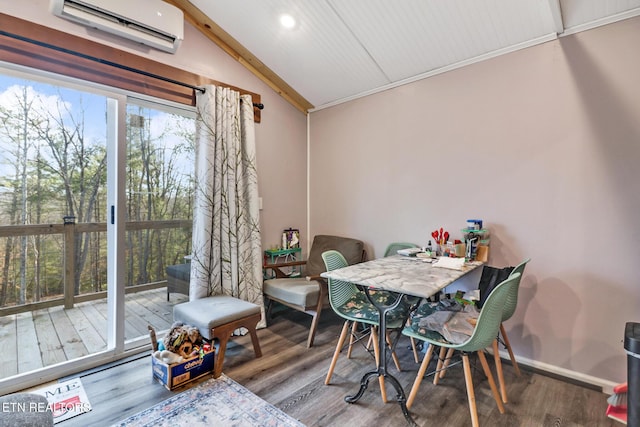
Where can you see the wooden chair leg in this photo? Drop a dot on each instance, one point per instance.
(354, 330)
(415, 350)
(418, 380)
(376, 352)
(336, 354)
(312, 330)
(498, 363)
(396, 361)
(316, 315)
(447, 360)
(492, 383)
(508, 345)
(471, 397)
(441, 356)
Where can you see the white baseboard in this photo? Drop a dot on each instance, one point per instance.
(607, 386)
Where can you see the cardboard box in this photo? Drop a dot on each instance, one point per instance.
(178, 374)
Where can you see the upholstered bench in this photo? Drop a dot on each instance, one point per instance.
(217, 317)
(178, 277)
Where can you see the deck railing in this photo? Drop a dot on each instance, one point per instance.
(68, 232)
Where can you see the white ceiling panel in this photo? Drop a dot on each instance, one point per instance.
(320, 57)
(410, 37)
(343, 49)
(576, 13)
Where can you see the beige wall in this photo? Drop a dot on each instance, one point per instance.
(280, 137)
(541, 144)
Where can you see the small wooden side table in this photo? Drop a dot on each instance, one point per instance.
(275, 256)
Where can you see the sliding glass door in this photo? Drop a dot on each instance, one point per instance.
(96, 191)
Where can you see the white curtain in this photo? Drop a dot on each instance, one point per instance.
(227, 254)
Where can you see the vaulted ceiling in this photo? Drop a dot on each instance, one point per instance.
(339, 50)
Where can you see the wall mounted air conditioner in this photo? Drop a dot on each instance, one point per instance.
(150, 22)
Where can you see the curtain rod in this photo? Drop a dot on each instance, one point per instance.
(258, 105)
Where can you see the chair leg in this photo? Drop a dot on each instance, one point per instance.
(316, 315)
(312, 330)
(441, 356)
(268, 309)
(498, 363)
(396, 361)
(508, 345)
(447, 360)
(419, 377)
(376, 352)
(471, 397)
(492, 383)
(354, 330)
(415, 350)
(336, 354)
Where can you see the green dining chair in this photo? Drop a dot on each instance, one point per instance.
(393, 249)
(508, 311)
(351, 303)
(483, 335)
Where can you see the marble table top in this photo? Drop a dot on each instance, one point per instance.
(406, 275)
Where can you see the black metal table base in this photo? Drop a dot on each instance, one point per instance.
(400, 398)
(382, 364)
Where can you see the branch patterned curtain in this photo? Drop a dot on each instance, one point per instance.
(227, 254)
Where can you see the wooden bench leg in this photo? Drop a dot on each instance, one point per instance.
(251, 323)
(223, 333)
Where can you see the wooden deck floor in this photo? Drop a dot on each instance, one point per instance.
(40, 338)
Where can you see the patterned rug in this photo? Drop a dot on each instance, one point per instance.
(220, 402)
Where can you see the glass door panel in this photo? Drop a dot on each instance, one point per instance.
(159, 203)
(53, 224)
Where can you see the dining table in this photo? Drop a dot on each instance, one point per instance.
(402, 276)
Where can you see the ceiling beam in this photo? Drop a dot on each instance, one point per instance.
(216, 34)
(556, 15)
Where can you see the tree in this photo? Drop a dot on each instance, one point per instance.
(53, 164)
(80, 167)
(17, 118)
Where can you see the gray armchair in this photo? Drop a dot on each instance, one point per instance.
(308, 293)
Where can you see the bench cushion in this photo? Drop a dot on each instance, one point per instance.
(300, 292)
(207, 313)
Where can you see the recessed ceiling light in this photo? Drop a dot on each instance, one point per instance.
(287, 21)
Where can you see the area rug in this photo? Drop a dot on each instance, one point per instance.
(219, 402)
(66, 399)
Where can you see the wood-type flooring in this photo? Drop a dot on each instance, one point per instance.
(291, 377)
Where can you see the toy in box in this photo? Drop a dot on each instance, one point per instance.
(181, 357)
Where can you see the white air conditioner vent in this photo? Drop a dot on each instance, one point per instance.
(150, 22)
